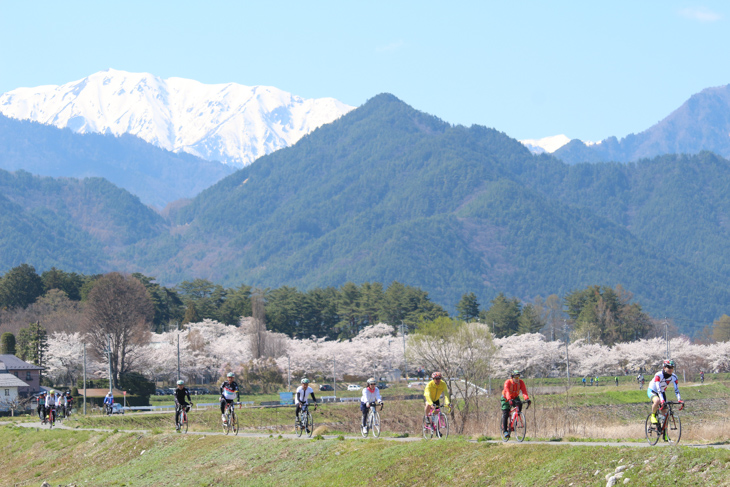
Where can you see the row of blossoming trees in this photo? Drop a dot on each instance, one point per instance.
(208, 349)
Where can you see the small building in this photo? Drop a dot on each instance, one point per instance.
(9, 385)
(30, 374)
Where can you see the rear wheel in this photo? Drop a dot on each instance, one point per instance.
(427, 430)
(520, 426)
(652, 431)
(375, 425)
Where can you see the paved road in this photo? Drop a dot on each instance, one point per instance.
(642, 444)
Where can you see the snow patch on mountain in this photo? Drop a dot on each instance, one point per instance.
(231, 123)
(546, 144)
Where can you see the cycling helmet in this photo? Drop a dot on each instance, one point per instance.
(436, 375)
(68, 393)
(305, 381)
(669, 363)
(109, 393)
(180, 382)
(514, 373)
(230, 374)
(52, 391)
(372, 381)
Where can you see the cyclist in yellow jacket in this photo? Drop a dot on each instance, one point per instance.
(432, 393)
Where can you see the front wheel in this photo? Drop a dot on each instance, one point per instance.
(673, 429)
(309, 425)
(375, 424)
(227, 424)
(234, 421)
(520, 426)
(442, 426)
(184, 423)
(298, 426)
(652, 431)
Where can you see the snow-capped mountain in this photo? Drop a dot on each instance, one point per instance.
(231, 123)
(546, 144)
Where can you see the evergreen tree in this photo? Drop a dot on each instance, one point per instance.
(20, 286)
(529, 321)
(468, 307)
(32, 344)
(721, 329)
(7, 344)
(191, 314)
(503, 316)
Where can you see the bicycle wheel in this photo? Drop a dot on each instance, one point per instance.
(652, 431)
(298, 427)
(427, 430)
(184, 422)
(673, 428)
(375, 424)
(442, 426)
(227, 424)
(520, 427)
(368, 424)
(309, 424)
(234, 424)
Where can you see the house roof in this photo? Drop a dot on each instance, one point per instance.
(9, 380)
(100, 392)
(14, 363)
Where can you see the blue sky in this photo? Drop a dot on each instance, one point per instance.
(530, 69)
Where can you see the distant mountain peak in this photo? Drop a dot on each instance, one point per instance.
(227, 122)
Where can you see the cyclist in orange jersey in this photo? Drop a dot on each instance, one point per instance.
(511, 397)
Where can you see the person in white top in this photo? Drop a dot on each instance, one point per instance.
(370, 395)
(51, 406)
(301, 396)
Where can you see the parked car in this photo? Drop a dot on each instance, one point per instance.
(382, 385)
(326, 387)
(353, 387)
(117, 408)
(417, 385)
(160, 392)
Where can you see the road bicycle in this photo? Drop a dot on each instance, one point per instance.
(516, 422)
(436, 423)
(182, 419)
(669, 426)
(304, 421)
(108, 409)
(372, 422)
(51, 417)
(231, 423)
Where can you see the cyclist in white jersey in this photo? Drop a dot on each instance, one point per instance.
(658, 386)
(370, 394)
(301, 396)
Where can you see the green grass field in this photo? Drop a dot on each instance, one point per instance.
(62, 457)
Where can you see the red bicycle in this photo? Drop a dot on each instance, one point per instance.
(516, 423)
(669, 426)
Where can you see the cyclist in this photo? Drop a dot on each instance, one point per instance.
(432, 394)
(302, 397)
(50, 404)
(511, 397)
(69, 403)
(180, 394)
(702, 377)
(659, 384)
(61, 404)
(41, 409)
(108, 402)
(616, 379)
(371, 394)
(229, 392)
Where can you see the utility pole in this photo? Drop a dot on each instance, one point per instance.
(178, 356)
(666, 336)
(84, 378)
(108, 352)
(405, 360)
(334, 376)
(288, 373)
(567, 356)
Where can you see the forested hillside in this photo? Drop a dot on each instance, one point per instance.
(156, 176)
(388, 193)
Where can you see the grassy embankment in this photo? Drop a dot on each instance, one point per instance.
(616, 413)
(85, 458)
